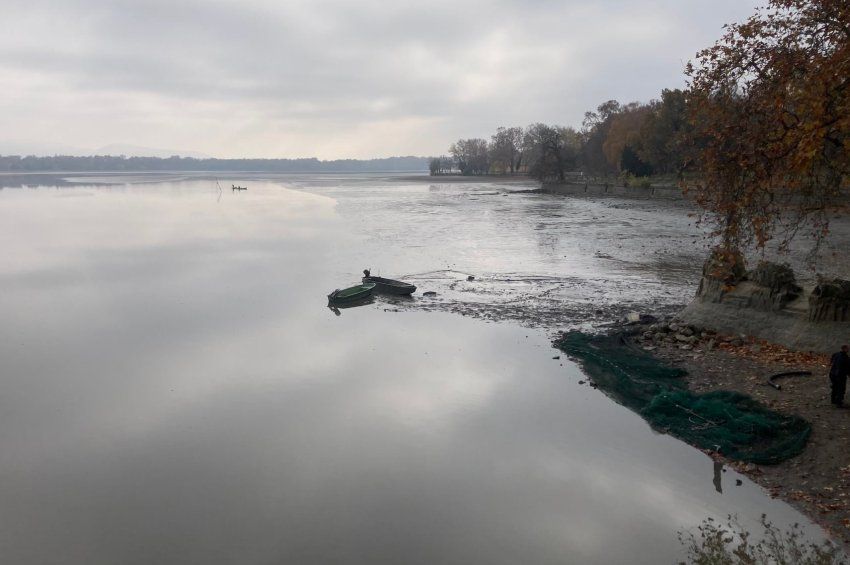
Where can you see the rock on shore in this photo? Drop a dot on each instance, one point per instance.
(767, 303)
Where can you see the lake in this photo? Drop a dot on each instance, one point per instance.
(174, 388)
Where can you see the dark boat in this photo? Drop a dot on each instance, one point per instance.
(352, 293)
(388, 286)
(234, 187)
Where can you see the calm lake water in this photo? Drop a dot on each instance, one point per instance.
(173, 388)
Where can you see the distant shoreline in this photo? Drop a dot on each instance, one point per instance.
(19, 179)
(107, 163)
(205, 172)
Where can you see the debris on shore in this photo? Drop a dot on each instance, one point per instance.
(688, 338)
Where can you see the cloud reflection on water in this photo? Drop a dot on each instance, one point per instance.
(181, 394)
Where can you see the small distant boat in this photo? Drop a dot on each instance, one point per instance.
(352, 293)
(235, 187)
(388, 286)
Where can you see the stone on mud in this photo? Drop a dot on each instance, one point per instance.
(830, 301)
(776, 286)
(768, 303)
(722, 271)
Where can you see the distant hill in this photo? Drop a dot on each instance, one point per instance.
(111, 163)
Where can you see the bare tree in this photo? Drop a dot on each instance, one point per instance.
(506, 149)
(471, 156)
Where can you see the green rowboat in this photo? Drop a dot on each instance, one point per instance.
(356, 292)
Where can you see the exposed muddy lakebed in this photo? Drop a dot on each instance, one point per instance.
(175, 390)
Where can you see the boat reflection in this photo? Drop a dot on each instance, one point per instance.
(335, 307)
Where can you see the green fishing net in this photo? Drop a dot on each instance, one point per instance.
(729, 423)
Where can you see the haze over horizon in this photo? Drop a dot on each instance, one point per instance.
(329, 79)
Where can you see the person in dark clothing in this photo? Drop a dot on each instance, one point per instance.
(838, 371)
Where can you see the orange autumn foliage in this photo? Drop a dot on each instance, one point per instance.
(770, 111)
(625, 131)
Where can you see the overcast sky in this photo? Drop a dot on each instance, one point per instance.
(332, 79)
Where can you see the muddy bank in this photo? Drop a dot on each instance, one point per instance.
(536, 301)
(547, 261)
(663, 192)
(790, 328)
(480, 179)
(818, 480)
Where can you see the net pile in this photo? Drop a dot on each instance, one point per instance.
(729, 423)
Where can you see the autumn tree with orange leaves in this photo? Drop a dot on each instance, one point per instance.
(770, 111)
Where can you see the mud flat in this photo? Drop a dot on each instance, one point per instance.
(470, 179)
(664, 192)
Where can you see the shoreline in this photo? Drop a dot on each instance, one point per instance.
(470, 179)
(817, 481)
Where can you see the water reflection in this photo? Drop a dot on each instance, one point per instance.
(170, 393)
(717, 482)
(335, 307)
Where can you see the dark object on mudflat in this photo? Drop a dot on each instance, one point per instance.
(429, 293)
(388, 286)
(779, 286)
(351, 294)
(773, 378)
(635, 318)
(830, 301)
(234, 187)
(470, 278)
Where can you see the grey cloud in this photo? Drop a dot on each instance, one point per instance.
(461, 68)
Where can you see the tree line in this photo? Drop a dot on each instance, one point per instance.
(119, 163)
(615, 139)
